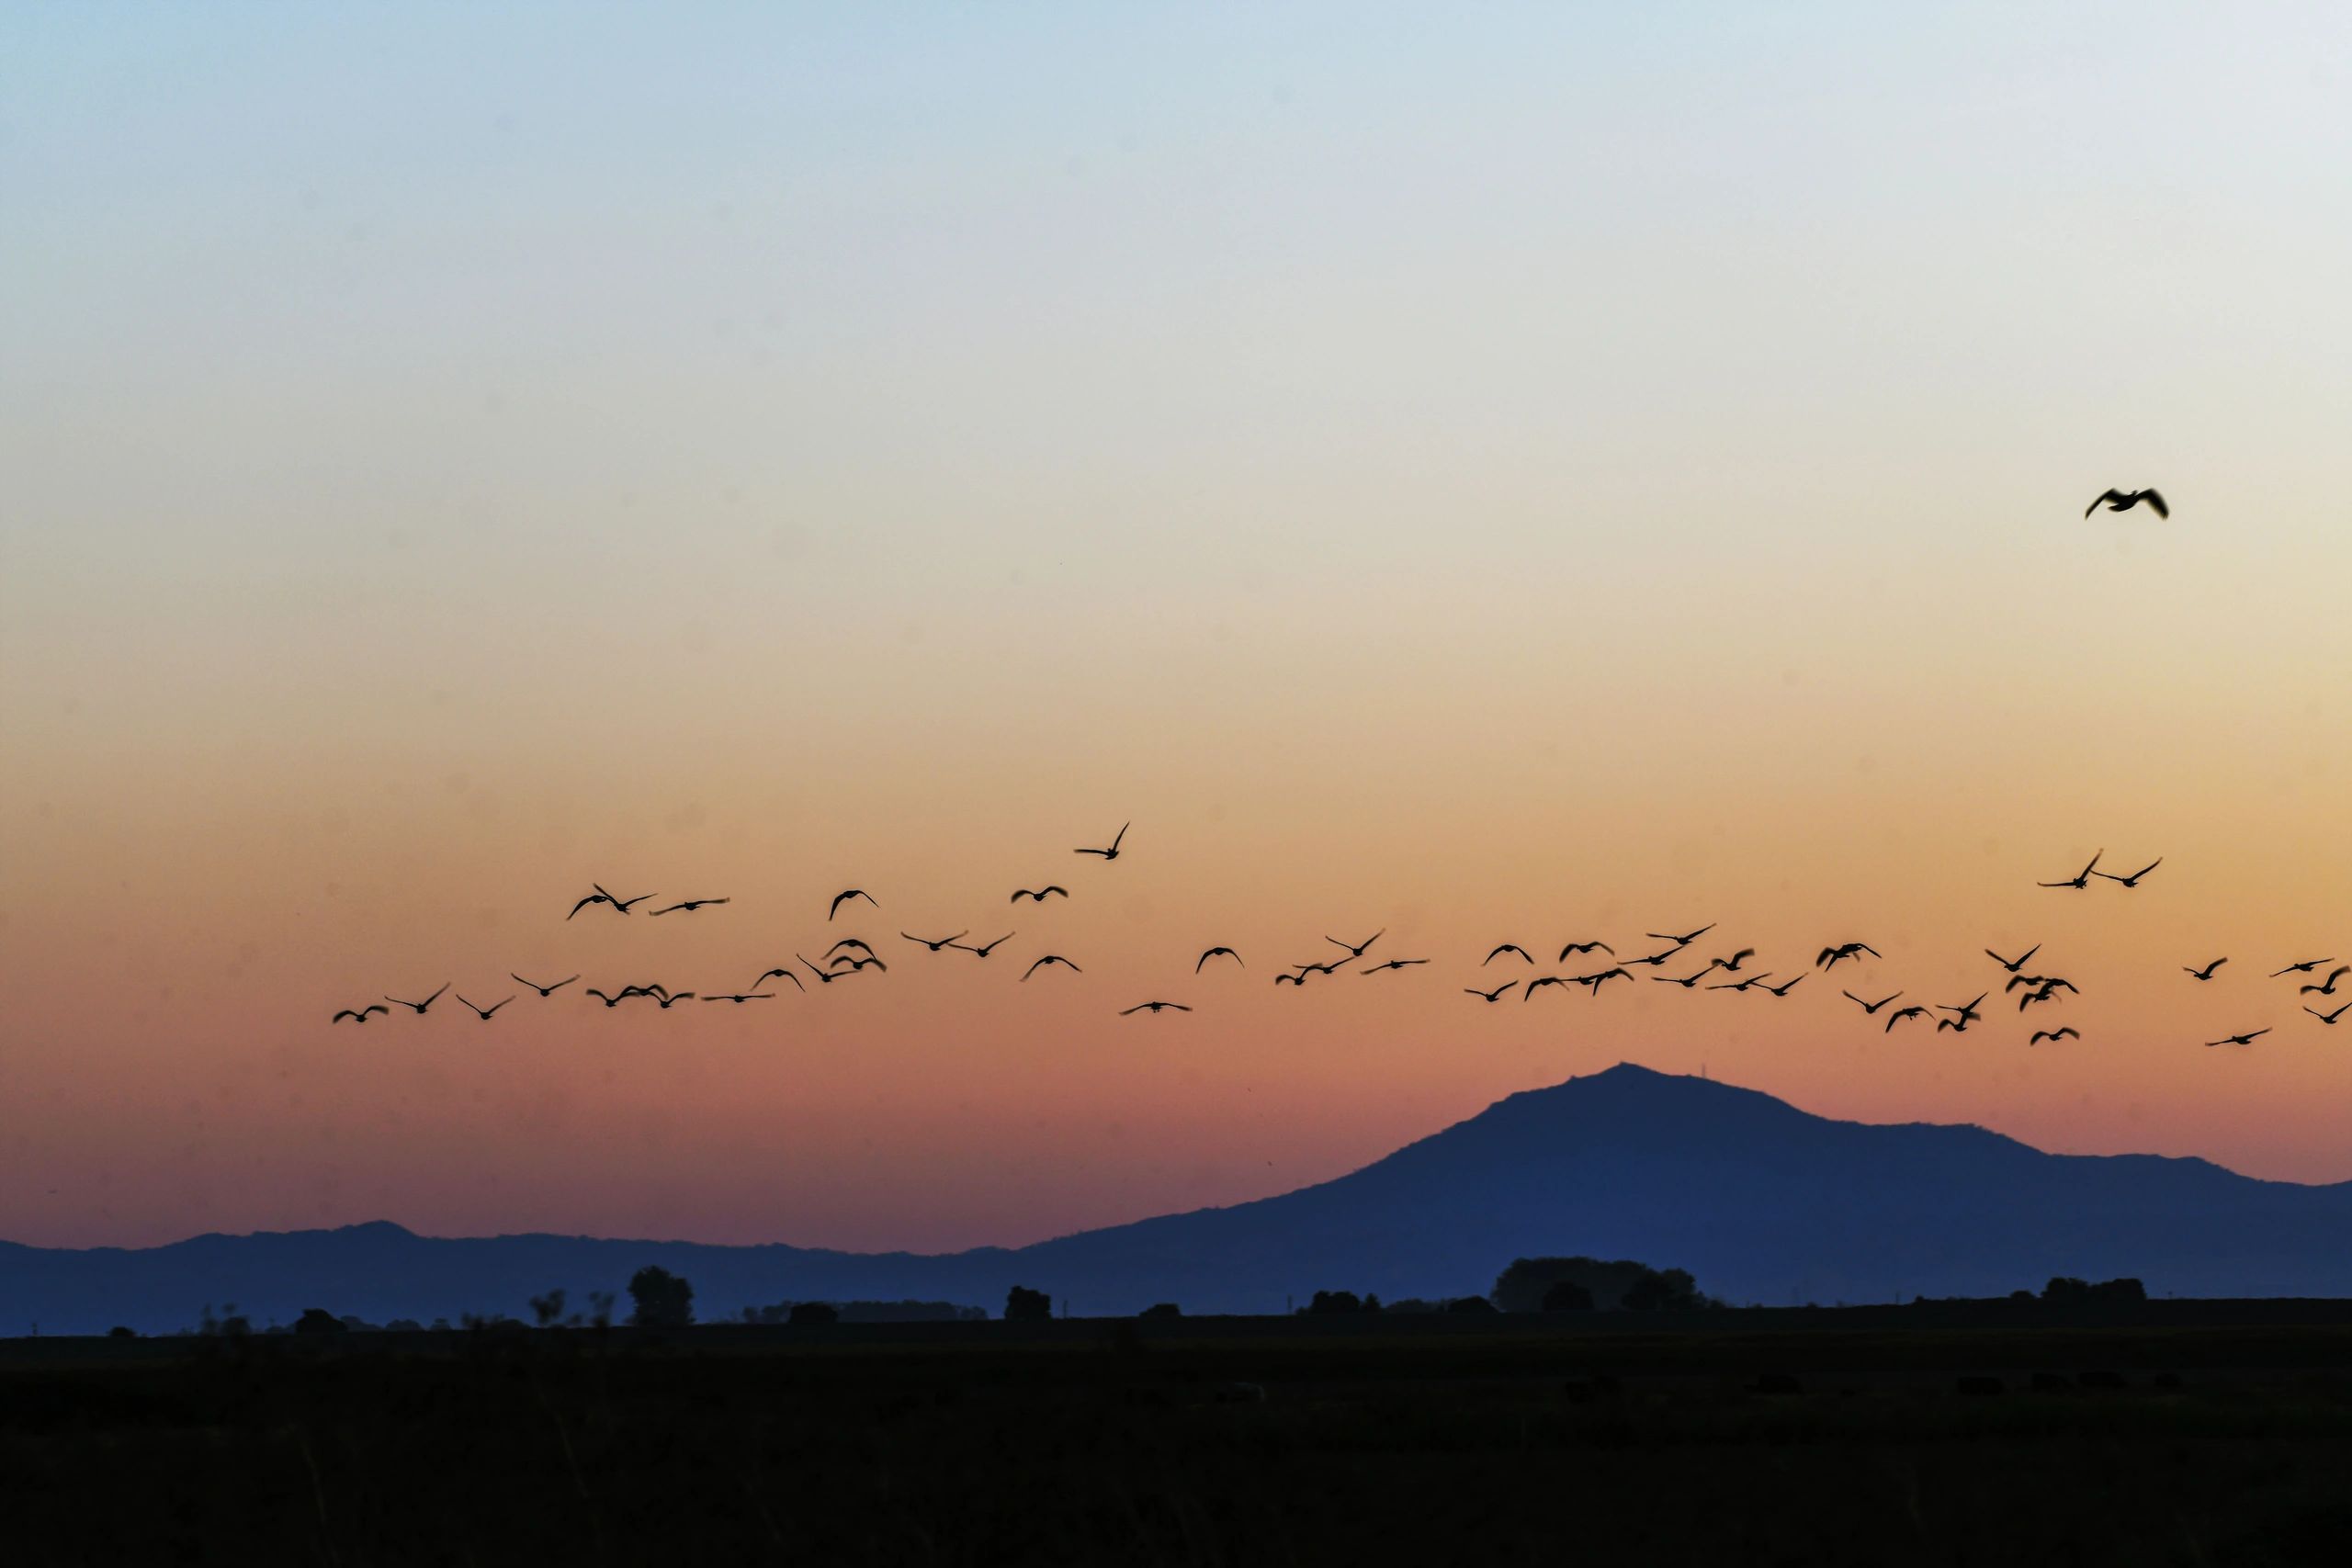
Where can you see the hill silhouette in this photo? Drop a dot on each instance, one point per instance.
(1763, 1202)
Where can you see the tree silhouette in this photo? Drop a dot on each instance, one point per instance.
(1567, 1296)
(547, 1309)
(1162, 1309)
(1661, 1288)
(1026, 1306)
(663, 1299)
(318, 1320)
(812, 1315)
(1335, 1301)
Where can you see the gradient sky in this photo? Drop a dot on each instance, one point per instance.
(1520, 473)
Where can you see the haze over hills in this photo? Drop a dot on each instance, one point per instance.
(1762, 1202)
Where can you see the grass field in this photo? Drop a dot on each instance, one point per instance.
(1226, 1441)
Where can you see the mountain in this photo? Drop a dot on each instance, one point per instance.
(1762, 1202)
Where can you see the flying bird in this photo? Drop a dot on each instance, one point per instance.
(668, 998)
(1216, 953)
(942, 942)
(601, 896)
(849, 941)
(1654, 959)
(2238, 1039)
(484, 1012)
(1307, 969)
(2014, 965)
(1685, 981)
(1957, 1025)
(1575, 947)
(1113, 853)
(983, 952)
(2305, 967)
(1899, 1014)
(419, 1007)
(2329, 1017)
(2080, 879)
(844, 895)
(824, 976)
(543, 990)
(778, 973)
(1154, 1007)
(1395, 963)
(1534, 986)
(1051, 958)
(1497, 994)
(1967, 1010)
(614, 1001)
(1784, 989)
(1037, 895)
(2328, 987)
(1594, 982)
(2133, 880)
(1680, 941)
(2125, 499)
(1870, 1010)
(1731, 965)
(738, 997)
(359, 1015)
(856, 964)
(691, 905)
(1358, 950)
(1508, 947)
(2206, 972)
(1830, 957)
(2068, 1032)
(1757, 979)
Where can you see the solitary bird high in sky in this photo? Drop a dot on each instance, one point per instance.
(1113, 853)
(2125, 499)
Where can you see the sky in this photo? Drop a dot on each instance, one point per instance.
(1488, 474)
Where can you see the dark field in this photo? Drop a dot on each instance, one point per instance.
(1501, 1441)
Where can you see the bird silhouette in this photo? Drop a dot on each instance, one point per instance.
(2206, 972)
(1752, 980)
(2133, 880)
(1593, 982)
(856, 964)
(824, 976)
(1957, 1025)
(1113, 853)
(2080, 879)
(1870, 1010)
(1497, 994)
(1653, 960)
(942, 942)
(1037, 895)
(850, 941)
(2125, 499)
(1534, 986)
(2305, 967)
(1507, 947)
(1731, 965)
(1051, 958)
(2327, 987)
(1680, 941)
(1576, 947)
(1967, 1010)
(1685, 981)
(984, 950)
(359, 1015)
(419, 1007)
(2238, 1039)
(2062, 1033)
(1304, 970)
(483, 1012)
(1357, 951)
(690, 905)
(1216, 953)
(613, 1002)
(844, 895)
(2014, 965)
(2329, 1017)
(776, 974)
(1783, 991)
(620, 905)
(1394, 964)
(669, 1000)
(543, 990)
(1899, 1014)
(738, 997)
(1154, 1007)
(1830, 957)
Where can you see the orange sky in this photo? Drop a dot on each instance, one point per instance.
(1486, 511)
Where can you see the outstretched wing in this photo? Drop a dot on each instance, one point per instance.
(2105, 496)
(2157, 502)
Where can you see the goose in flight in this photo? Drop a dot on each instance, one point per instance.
(1830, 957)
(2013, 964)
(2080, 879)
(942, 942)
(2305, 967)
(613, 1002)
(778, 973)
(738, 997)
(844, 895)
(1899, 1014)
(982, 952)
(824, 976)
(620, 905)
(1154, 1007)
(2246, 1039)
(544, 991)
(2125, 499)
(1304, 970)
(1217, 952)
(1575, 948)
(1957, 1025)
(359, 1015)
(1731, 965)
(2327, 987)
(1783, 991)
(1508, 947)
(1594, 982)
(850, 941)
(2206, 972)
(483, 1012)
(856, 964)
(668, 1000)
(690, 905)
(1752, 980)
(2133, 880)
(1681, 940)
(1967, 1010)
(1497, 994)
(1357, 951)
(2329, 1017)
(1685, 981)
(1037, 895)
(1113, 853)
(2063, 1033)
(419, 1007)
(1870, 1010)
(1534, 986)
(1653, 960)
(1051, 958)
(1394, 964)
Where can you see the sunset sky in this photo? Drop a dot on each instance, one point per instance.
(1497, 474)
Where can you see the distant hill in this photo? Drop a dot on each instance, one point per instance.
(1761, 1201)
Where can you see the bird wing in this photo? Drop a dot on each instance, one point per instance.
(592, 898)
(2110, 494)
(2157, 502)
